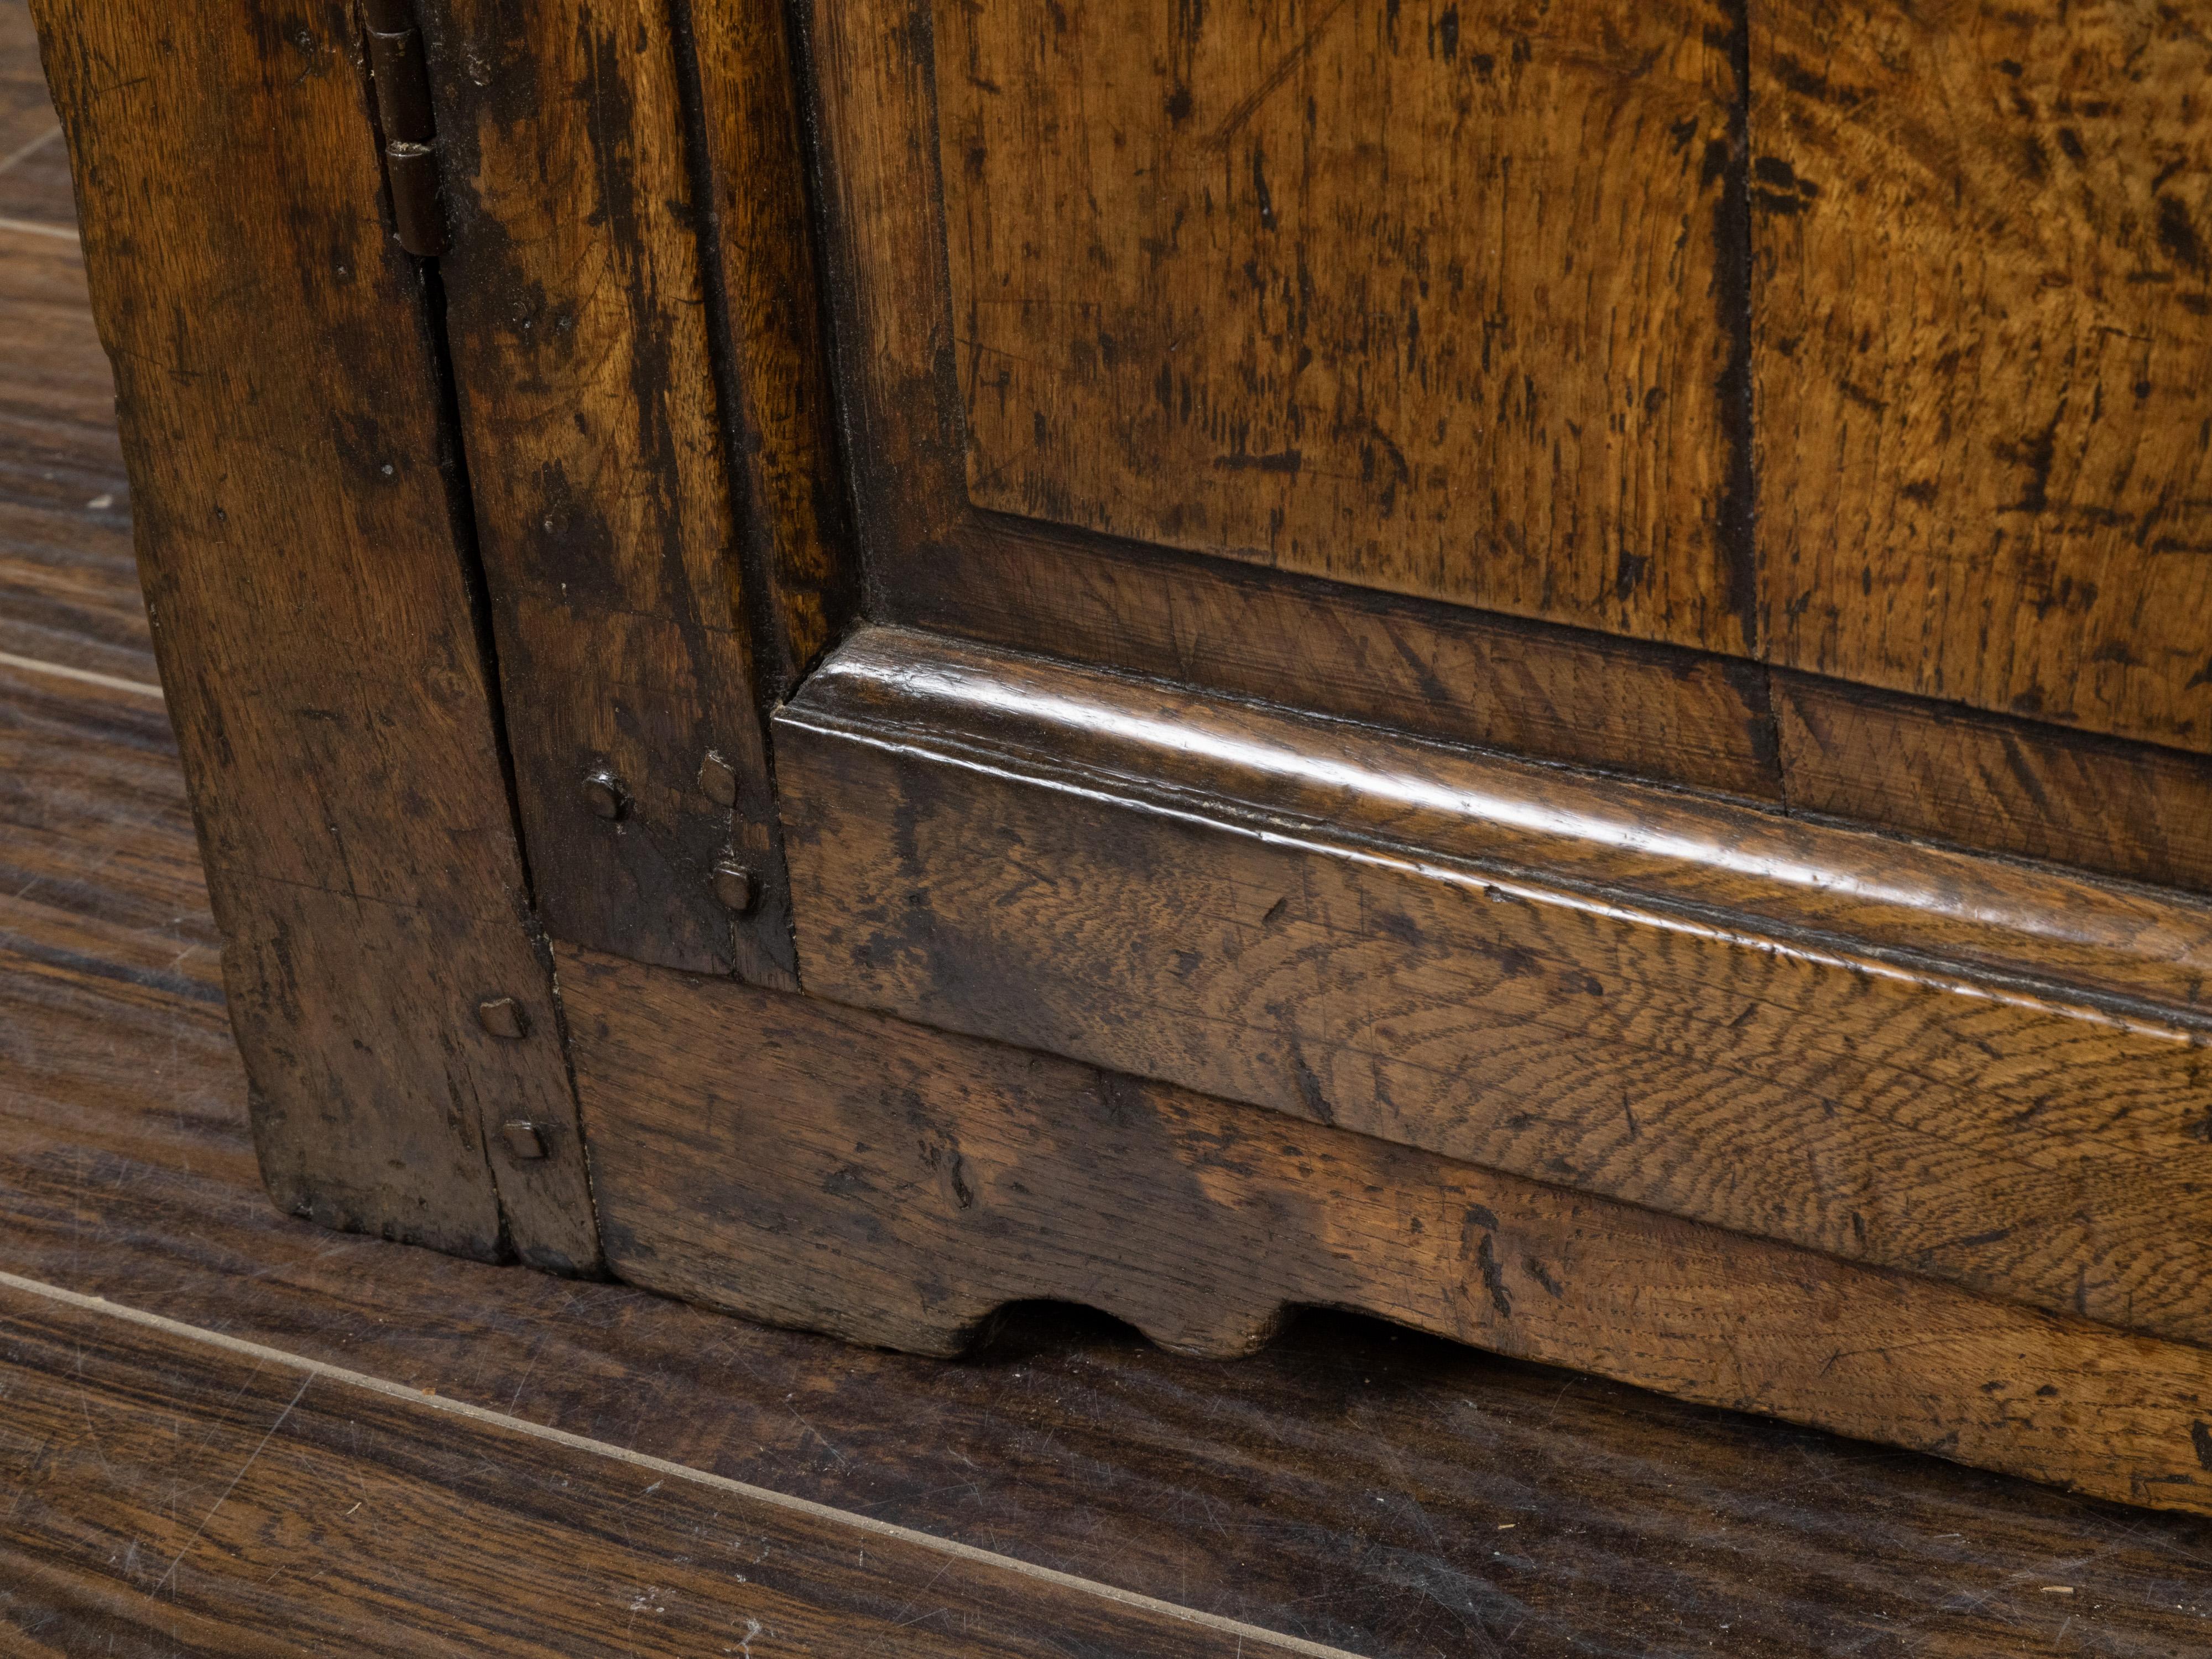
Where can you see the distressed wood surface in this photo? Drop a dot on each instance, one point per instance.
(69, 585)
(1983, 287)
(312, 620)
(1434, 299)
(802, 562)
(1393, 1494)
(1908, 902)
(253, 1492)
(934, 560)
(1691, 1006)
(579, 317)
(895, 1185)
(2016, 787)
(1436, 669)
(1441, 671)
(1397, 1495)
(27, 114)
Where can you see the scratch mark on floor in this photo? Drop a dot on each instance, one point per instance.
(232, 1486)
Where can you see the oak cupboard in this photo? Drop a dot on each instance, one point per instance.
(1546, 669)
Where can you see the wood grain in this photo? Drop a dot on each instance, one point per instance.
(26, 114)
(1912, 902)
(1438, 670)
(1354, 1482)
(897, 1185)
(225, 1487)
(802, 561)
(1427, 300)
(34, 183)
(1984, 298)
(279, 420)
(934, 561)
(1797, 1032)
(101, 895)
(938, 563)
(592, 421)
(2017, 787)
(69, 583)
(941, 565)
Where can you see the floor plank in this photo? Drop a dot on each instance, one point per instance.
(69, 585)
(68, 580)
(34, 185)
(25, 112)
(253, 1492)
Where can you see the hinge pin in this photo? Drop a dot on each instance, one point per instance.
(411, 136)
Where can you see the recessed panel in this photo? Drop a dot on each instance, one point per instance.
(1983, 238)
(1434, 299)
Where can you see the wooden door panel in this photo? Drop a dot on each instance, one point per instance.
(934, 559)
(1430, 299)
(894, 178)
(1984, 313)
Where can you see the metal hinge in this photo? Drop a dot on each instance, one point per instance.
(411, 135)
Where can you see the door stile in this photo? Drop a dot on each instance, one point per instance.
(279, 396)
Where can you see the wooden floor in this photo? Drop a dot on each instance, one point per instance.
(222, 1431)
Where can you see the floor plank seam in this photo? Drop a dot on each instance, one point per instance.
(33, 228)
(665, 1468)
(31, 148)
(33, 666)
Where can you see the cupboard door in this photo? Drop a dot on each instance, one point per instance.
(1468, 307)
(1515, 377)
(1438, 301)
(1983, 353)
(1430, 299)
